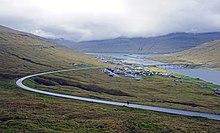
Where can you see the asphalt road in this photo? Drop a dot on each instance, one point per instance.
(19, 82)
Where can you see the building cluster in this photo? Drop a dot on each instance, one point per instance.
(136, 72)
(110, 60)
(217, 91)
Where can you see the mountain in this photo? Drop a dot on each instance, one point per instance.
(206, 54)
(62, 41)
(173, 42)
(23, 53)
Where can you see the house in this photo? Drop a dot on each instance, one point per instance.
(137, 78)
(217, 91)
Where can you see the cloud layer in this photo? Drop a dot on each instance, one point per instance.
(79, 20)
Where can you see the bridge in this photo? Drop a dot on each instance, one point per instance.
(170, 66)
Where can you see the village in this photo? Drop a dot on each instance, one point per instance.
(136, 72)
(130, 70)
(139, 71)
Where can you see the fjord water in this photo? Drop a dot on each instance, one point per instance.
(212, 76)
(129, 58)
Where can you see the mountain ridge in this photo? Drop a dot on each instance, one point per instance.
(173, 42)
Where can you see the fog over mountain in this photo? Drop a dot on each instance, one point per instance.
(81, 20)
(169, 43)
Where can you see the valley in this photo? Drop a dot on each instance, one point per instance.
(22, 111)
(159, 91)
(109, 66)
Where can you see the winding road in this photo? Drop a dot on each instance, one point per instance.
(19, 82)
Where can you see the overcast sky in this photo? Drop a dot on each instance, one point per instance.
(79, 20)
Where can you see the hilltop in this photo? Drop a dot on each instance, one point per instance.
(206, 54)
(23, 53)
(169, 43)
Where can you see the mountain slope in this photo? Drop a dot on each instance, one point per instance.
(173, 42)
(24, 111)
(23, 53)
(206, 54)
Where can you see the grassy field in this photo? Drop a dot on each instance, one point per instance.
(157, 69)
(23, 111)
(152, 90)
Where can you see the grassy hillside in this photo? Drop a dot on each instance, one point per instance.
(173, 42)
(153, 90)
(206, 54)
(23, 111)
(23, 53)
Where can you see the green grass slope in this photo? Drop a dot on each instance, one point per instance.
(23, 53)
(206, 54)
(23, 111)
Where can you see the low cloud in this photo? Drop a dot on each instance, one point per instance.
(100, 19)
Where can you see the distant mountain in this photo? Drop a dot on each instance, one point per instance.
(63, 41)
(207, 54)
(173, 42)
(22, 53)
